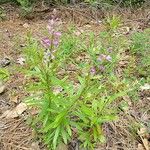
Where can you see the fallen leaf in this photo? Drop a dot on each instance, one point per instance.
(35, 146)
(57, 90)
(2, 87)
(20, 61)
(62, 146)
(14, 99)
(26, 25)
(143, 135)
(140, 147)
(146, 143)
(145, 87)
(18, 110)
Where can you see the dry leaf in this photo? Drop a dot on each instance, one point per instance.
(146, 143)
(2, 87)
(128, 100)
(35, 146)
(57, 90)
(145, 87)
(18, 110)
(26, 25)
(62, 146)
(140, 147)
(20, 61)
(14, 99)
(143, 134)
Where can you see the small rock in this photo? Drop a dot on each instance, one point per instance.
(4, 62)
(22, 45)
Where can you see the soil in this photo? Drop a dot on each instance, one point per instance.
(15, 134)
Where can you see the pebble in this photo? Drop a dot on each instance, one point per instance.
(4, 62)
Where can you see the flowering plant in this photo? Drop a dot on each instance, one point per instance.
(67, 109)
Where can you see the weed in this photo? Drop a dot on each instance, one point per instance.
(2, 14)
(140, 48)
(67, 106)
(113, 22)
(4, 74)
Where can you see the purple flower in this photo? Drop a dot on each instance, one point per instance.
(110, 49)
(48, 54)
(101, 57)
(108, 58)
(51, 22)
(46, 42)
(93, 71)
(102, 68)
(56, 43)
(58, 34)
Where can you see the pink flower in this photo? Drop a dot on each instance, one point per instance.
(102, 68)
(93, 71)
(108, 58)
(58, 34)
(101, 57)
(51, 22)
(55, 42)
(46, 42)
(110, 49)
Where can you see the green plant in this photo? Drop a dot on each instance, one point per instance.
(70, 106)
(26, 7)
(140, 48)
(2, 14)
(4, 74)
(113, 22)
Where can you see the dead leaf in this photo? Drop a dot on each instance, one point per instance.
(21, 61)
(140, 147)
(26, 25)
(35, 146)
(18, 110)
(145, 87)
(14, 99)
(62, 146)
(143, 135)
(146, 143)
(2, 87)
(128, 100)
(57, 90)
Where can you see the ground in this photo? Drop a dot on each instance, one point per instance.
(15, 134)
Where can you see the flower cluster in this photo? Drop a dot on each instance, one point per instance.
(51, 42)
(102, 58)
(94, 70)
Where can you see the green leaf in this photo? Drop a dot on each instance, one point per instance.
(55, 139)
(4, 74)
(69, 130)
(86, 110)
(64, 135)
